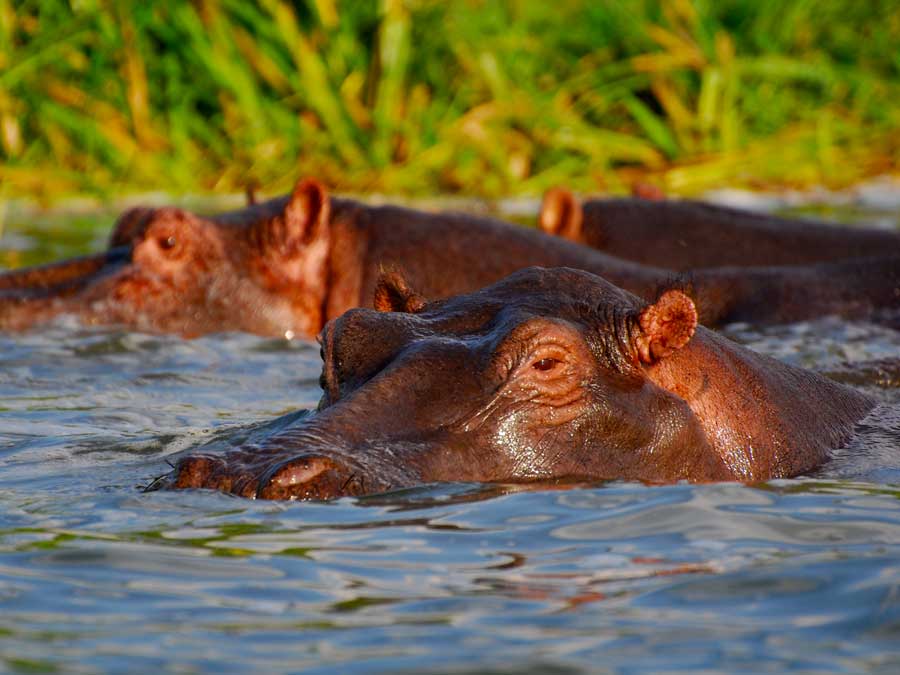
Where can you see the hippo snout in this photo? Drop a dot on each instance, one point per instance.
(309, 475)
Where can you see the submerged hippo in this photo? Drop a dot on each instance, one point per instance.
(287, 266)
(549, 373)
(683, 235)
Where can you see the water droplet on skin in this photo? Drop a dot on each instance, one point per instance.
(288, 335)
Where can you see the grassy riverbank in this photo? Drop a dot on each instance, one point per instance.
(488, 98)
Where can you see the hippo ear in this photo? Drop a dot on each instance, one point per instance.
(306, 214)
(647, 191)
(303, 220)
(665, 326)
(393, 294)
(561, 214)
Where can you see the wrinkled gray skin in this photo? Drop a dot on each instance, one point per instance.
(546, 374)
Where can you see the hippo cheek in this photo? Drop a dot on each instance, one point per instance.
(530, 439)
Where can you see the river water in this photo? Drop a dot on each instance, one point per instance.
(95, 575)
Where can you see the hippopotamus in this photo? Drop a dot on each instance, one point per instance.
(684, 235)
(287, 266)
(547, 374)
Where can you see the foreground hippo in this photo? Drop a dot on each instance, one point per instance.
(682, 235)
(287, 266)
(546, 374)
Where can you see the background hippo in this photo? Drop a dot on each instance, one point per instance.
(287, 266)
(546, 374)
(682, 235)
(168, 270)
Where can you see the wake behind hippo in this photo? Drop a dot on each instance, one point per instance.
(549, 373)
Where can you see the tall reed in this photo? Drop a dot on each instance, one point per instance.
(418, 96)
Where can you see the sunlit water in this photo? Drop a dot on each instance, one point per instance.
(95, 575)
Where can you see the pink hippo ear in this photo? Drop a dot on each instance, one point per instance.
(307, 211)
(665, 326)
(393, 294)
(304, 220)
(561, 214)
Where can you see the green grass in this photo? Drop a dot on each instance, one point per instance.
(485, 97)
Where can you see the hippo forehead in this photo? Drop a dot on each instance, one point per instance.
(363, 339)
(560, 293)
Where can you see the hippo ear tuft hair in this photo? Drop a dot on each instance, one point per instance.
(561, 214)
(665, 326)
(393, 294)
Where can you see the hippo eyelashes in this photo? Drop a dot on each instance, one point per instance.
(546, 359)
(545, 364)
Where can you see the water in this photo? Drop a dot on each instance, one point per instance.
(798, 575)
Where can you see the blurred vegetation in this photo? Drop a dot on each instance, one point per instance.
(485, 97)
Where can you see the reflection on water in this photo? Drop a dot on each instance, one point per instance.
(799, 575)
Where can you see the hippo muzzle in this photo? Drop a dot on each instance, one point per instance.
(374, 365)
(36, 294)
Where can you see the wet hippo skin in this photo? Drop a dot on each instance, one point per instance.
(287, 266)
(549, 373)
(682, 235)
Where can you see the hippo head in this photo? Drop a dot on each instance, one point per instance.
(540, 376)
(562, 214)
(169, 270)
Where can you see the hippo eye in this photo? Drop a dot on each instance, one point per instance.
(167, 243)
(545, 364)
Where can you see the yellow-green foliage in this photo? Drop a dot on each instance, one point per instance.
(415, 96)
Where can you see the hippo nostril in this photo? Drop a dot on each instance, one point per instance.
(307, 477)
(300, 472)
